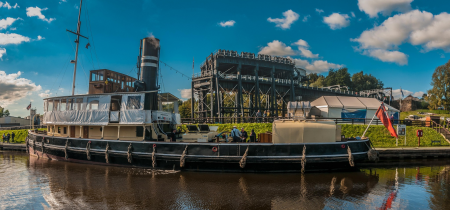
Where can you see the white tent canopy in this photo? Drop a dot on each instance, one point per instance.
(334, 106)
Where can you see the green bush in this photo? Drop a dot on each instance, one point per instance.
(20, 137)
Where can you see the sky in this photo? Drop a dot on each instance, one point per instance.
(400, 42)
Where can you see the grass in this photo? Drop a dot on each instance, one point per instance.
(20, 137)
(380, 136)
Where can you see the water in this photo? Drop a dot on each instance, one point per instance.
(31, 183)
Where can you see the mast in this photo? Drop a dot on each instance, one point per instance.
(76, 51)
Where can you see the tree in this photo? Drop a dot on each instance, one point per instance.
(6, 113)
(439, 95)
(338, 77)
(312, 77)
(361, 81)
(320, 82)
(185, 109)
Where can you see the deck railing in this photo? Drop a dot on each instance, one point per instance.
(22, 127)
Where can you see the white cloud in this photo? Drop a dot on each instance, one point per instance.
(277, 48)
(307, 53)
(36, 11)
(7, 5)
(2, 52)
(4, 23)
(319, 11)
(305, 19)
(76, 6)
(285, 23)
(60, 2)
(227, 23)
(45, 94)
(302, 43)
(317, 66)
(12, 39)
(13, 29)
(40, 37)
(353, 14)
(416, 27)
(337, 21)
(185, 93)
(373, 7)
(397, 94)
(388, 56)
(15, 88)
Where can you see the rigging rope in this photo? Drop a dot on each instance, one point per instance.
(129, 153)
(183, 157)
(107, 152)
(303, 159)
(66, 155)
(243, 161)
(154, 157)
(173, 69)
(88, 150)
(350, 156)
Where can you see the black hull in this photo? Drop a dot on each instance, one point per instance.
(261, 157)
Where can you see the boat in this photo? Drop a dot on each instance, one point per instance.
(121, 122)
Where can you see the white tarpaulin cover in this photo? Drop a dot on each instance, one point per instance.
(95, 110)
(332, 106)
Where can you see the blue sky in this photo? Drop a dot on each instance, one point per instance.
(400, 42)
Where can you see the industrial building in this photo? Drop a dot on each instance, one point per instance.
(238, 85)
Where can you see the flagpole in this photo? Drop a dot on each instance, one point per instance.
(368, 126)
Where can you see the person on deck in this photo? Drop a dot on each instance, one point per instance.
(12, 136)
(3, 137)
(253, 136)
(235, 134)
(173, 135)
(265, 115)
(258, 115)
(7, 137)
(244, 135)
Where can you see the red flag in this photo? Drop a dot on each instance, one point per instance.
(29, 107)
(381, 114)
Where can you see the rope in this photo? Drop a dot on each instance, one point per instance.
(129, 153)
(153, 157)
(107, 152)
(34, 146)
(88, 150)
(243, 161)
(350, 157)
(304, 159)
(65, 150)
(42, 145)
(332, 187)
(26, 144)
(373, 155)
(183, 157)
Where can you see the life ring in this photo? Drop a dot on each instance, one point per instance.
(214, 149)
(154, 145)
(343, 146)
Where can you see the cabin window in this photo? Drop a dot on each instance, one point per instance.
(139, 131)
(93, 103)
(63, 104)
(94, 77)
(56, 105)
(65, 130)
(45, 105)
(100, 76)
(77, 103)
(59, 129)
(134, 102)
(69, 104)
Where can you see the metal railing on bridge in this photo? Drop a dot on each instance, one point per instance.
(352, 121)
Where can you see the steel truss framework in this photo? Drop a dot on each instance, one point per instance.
(233, 85)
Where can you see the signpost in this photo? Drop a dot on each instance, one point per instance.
(419, 134)
(401, 131)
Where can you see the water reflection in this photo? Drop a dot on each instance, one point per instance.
(39, 184)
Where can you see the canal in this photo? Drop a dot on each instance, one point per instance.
(32, 183)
